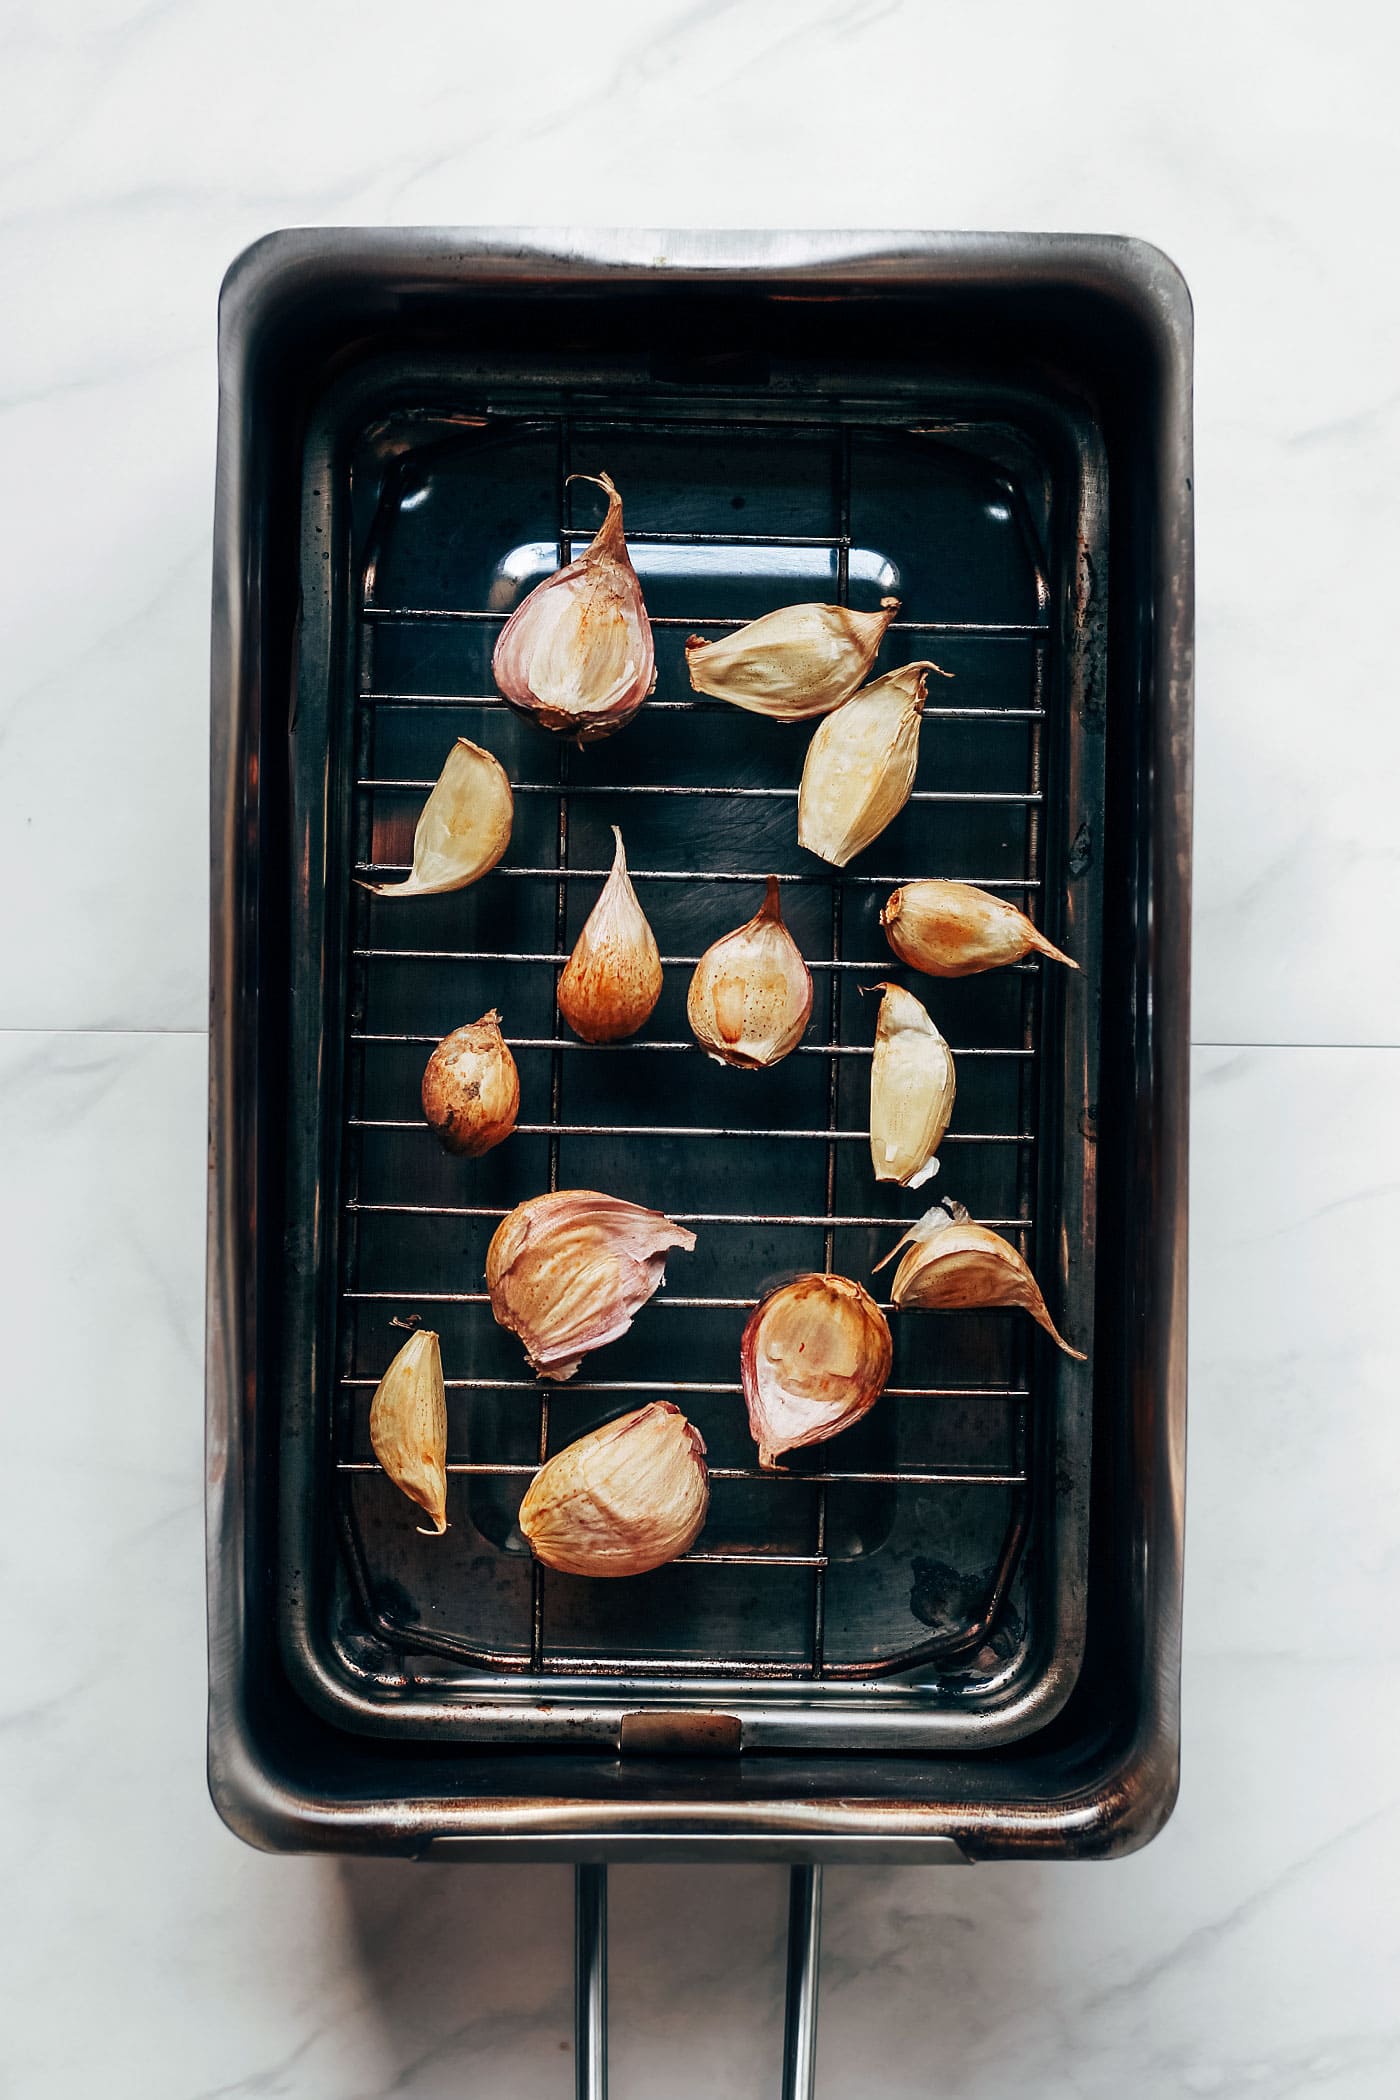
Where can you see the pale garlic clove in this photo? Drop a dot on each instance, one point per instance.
(408, 1425)
(794, 663)
(912, 1084)
(953, 1265)
(577, 655)
(953, 929)
(624, 1499)
(471, 1088)
(860, 765)
(569, 1271)
(463, 829)
(612, 981)
(751, 995)
(814, 1358)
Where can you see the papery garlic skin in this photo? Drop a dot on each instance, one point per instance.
(408, 1425)
(577, 655)
(912, 1085)
(955, 1266)
(751, 995)
(953, 929)
(471, 1088)
(794, 663)
(624, 1499)
(569, 1271)
(463, 829)
(814, 1358)
(860, 766)
(612, 981)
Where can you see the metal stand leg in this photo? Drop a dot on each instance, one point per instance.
(591, 1983)
(804, 1955)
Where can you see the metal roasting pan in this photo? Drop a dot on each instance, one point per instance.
(951, 1634)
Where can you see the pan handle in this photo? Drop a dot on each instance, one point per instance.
(591, 1983)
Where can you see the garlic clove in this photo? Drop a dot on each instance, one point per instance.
(953, 1265)
(577, 655)
(463, 829)
(952, 929)
(612, 980)
(794, 663)
(408, 1425)
(625, 1498)
(814, 1358)
(912, 1084)
(860, 765)
(471, 1088)
(751, 995)
(569, 1271)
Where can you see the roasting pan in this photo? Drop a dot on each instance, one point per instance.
(952, 1633)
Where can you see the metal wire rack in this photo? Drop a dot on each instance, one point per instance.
(383, 939)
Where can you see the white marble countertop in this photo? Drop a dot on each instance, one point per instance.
(1253, 1949)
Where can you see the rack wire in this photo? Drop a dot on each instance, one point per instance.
(541, 1655)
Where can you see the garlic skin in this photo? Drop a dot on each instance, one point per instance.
(912, 1085)
(953, 929)
(791, 664)
(955, 1266)
(471, 1088)
(577, 655)
(814, 1358)
(408, 1425)
(463, 829)
(612, 981)
(751, 996)
(860, 766)
(569, 1271)
(624, 1499)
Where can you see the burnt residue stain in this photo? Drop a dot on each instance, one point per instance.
(947, 1601)
(1081, 852)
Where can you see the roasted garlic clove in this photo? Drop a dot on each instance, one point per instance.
(569, 1271)
(814, 1358)
(955, 1266)
(625, 1498)
(408, 1425)
(751, 995)
(860, 765)
(612, 980)
(464, 827)
(912, 1084)
(951, 929)
(800, 661)
(471, 1088)
(577, 655)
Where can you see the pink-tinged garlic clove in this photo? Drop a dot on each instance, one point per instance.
(750, 998)
(568, 1272)
(622, 1500)
(953, 1265)
(815, 1357)
(577, 655)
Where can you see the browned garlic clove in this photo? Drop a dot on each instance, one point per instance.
(955, 1266)
(814, 1358)
(464, 827)
(952, 929)
(408, 1425)
(751, 995)
(860, 765)
(791, 664)
(471, 1088)
(912, 1084)
(569, 1271)
(625, 1498)
(612, 980)
(577, 655)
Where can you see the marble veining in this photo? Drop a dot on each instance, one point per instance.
(1252, 1950)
